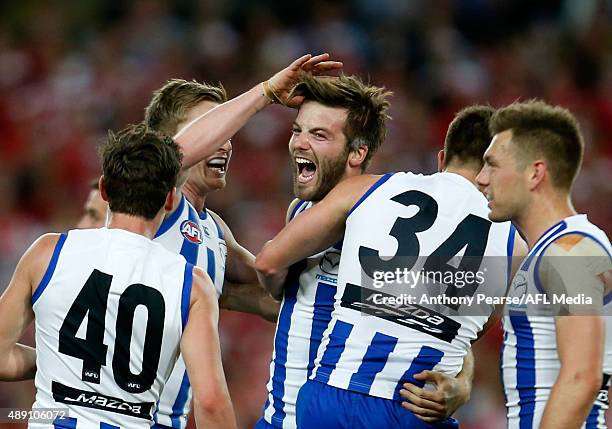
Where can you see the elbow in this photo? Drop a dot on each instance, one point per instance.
(587, 381)
(210, 403)
(264, 266)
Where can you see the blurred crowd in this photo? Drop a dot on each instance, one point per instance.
(71, 70)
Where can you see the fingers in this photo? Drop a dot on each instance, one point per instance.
(300, 62)
(417, 399)
(315, 60)
(430, 395)
(326, 66)
(424, 414)
(432, 376)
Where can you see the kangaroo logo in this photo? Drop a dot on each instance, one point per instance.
(330, 262)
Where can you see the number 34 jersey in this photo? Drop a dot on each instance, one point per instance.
(108, 327)
(420, 237)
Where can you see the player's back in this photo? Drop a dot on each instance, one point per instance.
(109, 317)
(414, 224)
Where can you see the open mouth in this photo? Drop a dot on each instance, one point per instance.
(306, 169)
(217, 164)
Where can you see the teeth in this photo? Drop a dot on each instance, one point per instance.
(217, 162)
(303, 161)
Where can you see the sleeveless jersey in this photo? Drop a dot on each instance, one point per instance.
(412, 223)
(201, 241)
(530, 362)
(304, 314)
(110, 312)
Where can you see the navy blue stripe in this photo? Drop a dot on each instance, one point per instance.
(281, 340)
(190, 249)
(64, 423)
(296, 208)
(333, 351)
(171, 220)
(50, 269)
(186, 293)
(559, 227)
(379, 182)
(593, 417)
(210, 264)
(525, 369)
(373, 362)
(536, 269)
(510, 251)
(178, 409)
(219, 230)
(107, 426)
(427, 358)
(323, 307)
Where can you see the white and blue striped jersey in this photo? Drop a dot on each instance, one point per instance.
(417, 223)
(201, 241)
(530, 362)
(110, 311)
(304, 314)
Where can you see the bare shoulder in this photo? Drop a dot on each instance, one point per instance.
(202, 286)
(36, 259)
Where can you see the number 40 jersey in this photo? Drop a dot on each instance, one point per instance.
(108, 328)
(433, 231)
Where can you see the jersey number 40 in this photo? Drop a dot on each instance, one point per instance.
(92, 302)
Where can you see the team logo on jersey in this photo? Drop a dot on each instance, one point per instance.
(519, 285)
(330, 262)
(192, 232)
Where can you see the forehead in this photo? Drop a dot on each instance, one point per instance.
(500, 145)
(196, 111)
(316, 115)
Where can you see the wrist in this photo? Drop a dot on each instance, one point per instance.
(269, 93)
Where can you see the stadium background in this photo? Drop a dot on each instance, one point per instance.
(71, 70)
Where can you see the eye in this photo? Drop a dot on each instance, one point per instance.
(319, 136)
(295, 130)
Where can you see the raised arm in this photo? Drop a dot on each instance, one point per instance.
(206, 134)
(17, 361)
(310, 232)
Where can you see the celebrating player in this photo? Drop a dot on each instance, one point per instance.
(393, 222)
(199, 234)
(553, 367)
(124, 293)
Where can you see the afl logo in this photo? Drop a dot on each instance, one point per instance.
(192, 232)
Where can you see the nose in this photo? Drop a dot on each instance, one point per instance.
(482, 178)
(298, 141)
(227, 146)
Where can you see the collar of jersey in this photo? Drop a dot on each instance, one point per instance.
(171, 220)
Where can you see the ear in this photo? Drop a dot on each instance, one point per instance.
(169, 204)
(537, 173)
(102, 188)
(441, 161)
(357, 157)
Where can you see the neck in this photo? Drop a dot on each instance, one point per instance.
(541, 214)
(195, 197)
(469, 173)
(135, 224)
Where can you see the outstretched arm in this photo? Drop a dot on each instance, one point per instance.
(206, 134)
(17, 361)
(312, 231)
(202, 354)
